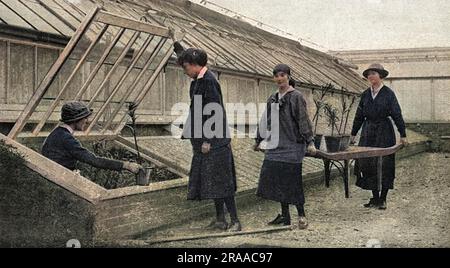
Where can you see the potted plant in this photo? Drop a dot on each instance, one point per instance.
(319, 101)
(338, 141)
(333, 142)
(345, 113)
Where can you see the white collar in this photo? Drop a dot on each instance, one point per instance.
(374, 95)
(66, 126)
(202, 72)
(287, 91)
(377, 89)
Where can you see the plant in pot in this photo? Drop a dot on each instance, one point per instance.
(319, 101)
(333, 142)
(346, 108)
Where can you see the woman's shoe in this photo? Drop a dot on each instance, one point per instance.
(372, 203)
(280, 219)
(217, 225)
(235, 227)
(382, 205)
(302, 223)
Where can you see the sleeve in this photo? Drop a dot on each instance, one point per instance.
(359, 118)
(396, 113)
(78, 152)
(262, 126)
(303, 120)
(178, 48)
(211, 94)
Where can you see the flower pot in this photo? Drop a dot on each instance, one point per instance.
(345, 143)
(143, 177)
(318, 141)
(333, 143)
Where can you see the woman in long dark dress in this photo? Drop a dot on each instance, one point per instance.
(378, 105)
(212, 175)
(287, 129)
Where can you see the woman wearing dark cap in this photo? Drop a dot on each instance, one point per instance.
(287, 130)
(378, 105)
(62, 147)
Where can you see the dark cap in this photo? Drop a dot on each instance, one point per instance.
(283, 68)
(74, 111)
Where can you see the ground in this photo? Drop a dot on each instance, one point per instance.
(418, 214)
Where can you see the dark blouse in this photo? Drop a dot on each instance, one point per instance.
(295, 128)
(63, 148)
(375, 111)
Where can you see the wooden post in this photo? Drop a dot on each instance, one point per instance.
(54, 70)
(347, 191)
(380, 172)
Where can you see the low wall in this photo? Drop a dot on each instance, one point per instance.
(439, 134)
(34, 212)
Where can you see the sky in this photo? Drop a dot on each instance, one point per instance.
(354, 24)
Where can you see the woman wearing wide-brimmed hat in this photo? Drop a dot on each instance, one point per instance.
(378, 105)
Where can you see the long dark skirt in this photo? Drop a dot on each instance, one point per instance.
(212, 175)
(379, 135)
(367, 174)
(281, 182)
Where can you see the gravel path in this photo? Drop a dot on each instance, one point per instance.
(418, 214)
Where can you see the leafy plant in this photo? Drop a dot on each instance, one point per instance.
(319, 101)
(332, 117)
(346, 108)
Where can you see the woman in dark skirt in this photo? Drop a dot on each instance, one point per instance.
(378, 105)
(287, 131)
(212, 175)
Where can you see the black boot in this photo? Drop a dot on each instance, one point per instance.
(372, 203)
(235, 226)
(219, 223)
(382, 205)
(281, 220)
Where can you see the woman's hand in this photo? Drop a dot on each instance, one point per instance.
(175, 35)
(404, 141)
(311, 150)
(132, 167)
(353, 140)
(206, 147)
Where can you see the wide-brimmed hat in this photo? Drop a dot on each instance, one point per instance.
(74, 111)
(377, 68)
